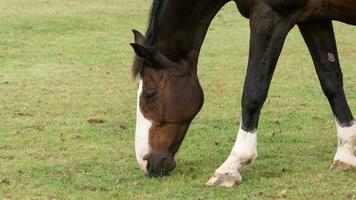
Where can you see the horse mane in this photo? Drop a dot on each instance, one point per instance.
(152, 28)
(150, 34)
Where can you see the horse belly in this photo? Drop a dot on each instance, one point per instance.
(343, 10)
(340, 10)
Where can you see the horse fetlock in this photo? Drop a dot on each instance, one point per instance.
(236, 161)
(347, 139)
(246, 158)
(347, 134)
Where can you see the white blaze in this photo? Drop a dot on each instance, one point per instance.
(347, 144)
(242, 154)
(142, 130)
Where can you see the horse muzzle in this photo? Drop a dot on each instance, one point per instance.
(159, 164)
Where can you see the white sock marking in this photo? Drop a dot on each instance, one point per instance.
(242, 154)
(347, 144)
(142, 132)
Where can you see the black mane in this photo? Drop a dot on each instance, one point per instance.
(152, 24)
(150, 34)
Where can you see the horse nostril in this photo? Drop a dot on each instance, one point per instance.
(168, 164)
(159, 165)
(163, 164)
(148, 166)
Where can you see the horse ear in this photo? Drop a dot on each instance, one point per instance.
(143, 53)
(139, 38)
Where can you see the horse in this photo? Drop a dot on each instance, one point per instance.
(169, 94)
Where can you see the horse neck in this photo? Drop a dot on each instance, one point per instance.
(182, 26)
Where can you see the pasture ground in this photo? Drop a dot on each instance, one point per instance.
(63, 62)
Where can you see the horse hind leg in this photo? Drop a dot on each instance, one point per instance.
(320, 39)
(268, 33)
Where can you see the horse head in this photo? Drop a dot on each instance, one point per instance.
(169, 97)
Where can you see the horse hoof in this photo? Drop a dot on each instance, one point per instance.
(341, 166)
(223, 180)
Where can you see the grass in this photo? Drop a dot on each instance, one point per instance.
(63, 62)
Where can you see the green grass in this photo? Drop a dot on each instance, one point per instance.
(63, 62)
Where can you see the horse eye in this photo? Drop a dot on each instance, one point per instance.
(149, 95)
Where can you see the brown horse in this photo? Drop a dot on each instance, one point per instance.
(169, 94)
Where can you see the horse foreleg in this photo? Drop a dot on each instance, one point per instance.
(268, 32)
(320, 38)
